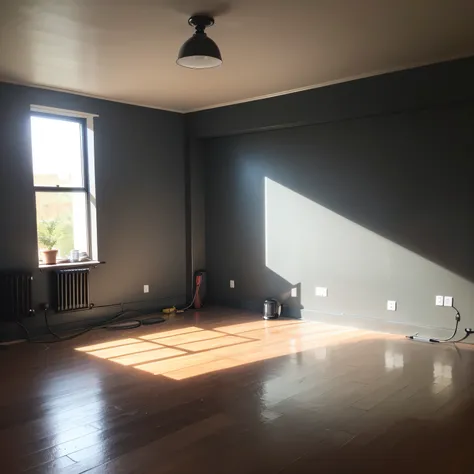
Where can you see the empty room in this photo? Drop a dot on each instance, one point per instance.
(237, 236)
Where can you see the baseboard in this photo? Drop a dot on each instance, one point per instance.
(358, 322)
(379, 325)
(256, 306)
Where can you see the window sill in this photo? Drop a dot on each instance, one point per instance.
(58, 266)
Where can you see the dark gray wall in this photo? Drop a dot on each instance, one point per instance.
(370, 195)
(379, 142)
(140, 179)
(197, 224)
(412, 89)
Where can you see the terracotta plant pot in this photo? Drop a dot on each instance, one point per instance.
(49, 257)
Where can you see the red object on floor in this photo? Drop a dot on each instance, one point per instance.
(197, 298)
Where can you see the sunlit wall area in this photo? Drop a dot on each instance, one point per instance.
(374, 208)
(360, 269)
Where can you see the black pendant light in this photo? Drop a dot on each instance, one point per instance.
(199, 52)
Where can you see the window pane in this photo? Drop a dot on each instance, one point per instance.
(57, 152)
(68, 213)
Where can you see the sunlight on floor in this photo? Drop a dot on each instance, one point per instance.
(188, 352)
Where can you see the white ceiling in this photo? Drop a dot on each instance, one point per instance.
(125, 50)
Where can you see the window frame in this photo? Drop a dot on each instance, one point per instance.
(87, 162)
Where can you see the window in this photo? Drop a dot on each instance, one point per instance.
(64, 190)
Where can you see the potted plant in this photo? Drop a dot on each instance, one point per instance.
(48, 235)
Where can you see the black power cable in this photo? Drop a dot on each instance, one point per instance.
(25, 329)
(449, 340)
(458, 319)
(48, 327)
(469, 332)
(198, 286)
(59, 338)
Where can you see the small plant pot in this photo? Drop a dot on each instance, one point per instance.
(49, 257)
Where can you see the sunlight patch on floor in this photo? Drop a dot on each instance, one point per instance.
(105, 345)
(187, 338)
(188, 352)
(175, 332)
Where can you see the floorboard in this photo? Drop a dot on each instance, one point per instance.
(221, 390)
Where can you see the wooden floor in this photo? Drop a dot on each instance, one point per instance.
(225, 392)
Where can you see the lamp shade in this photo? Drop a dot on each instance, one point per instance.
(199, 52)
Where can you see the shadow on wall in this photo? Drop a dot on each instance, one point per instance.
(374, 209)
(360, 269)
(250, 294)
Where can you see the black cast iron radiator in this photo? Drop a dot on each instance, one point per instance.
(15, 296)
(72, 289)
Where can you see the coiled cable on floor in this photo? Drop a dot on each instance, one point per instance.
(58, 338)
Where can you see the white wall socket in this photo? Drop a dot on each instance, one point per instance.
(321, 291)
(294, 292)
(232, 283)
(448, 301)
(440, 300)
(146, 289)
(391, 305)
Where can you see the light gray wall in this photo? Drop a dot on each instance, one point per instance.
(361, 269)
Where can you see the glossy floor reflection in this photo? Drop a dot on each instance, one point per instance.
(222, 391)
(194, 351)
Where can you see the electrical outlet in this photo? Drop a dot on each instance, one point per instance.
(232, 283)
(146, 288)
(448, 301)
(321, 291)
(391, 305)
(440, 300)
(294, 292)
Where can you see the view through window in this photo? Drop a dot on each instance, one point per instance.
(61, 184)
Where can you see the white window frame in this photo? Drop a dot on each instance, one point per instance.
(89, 161)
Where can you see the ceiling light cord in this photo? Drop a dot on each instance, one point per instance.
(200, 30)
